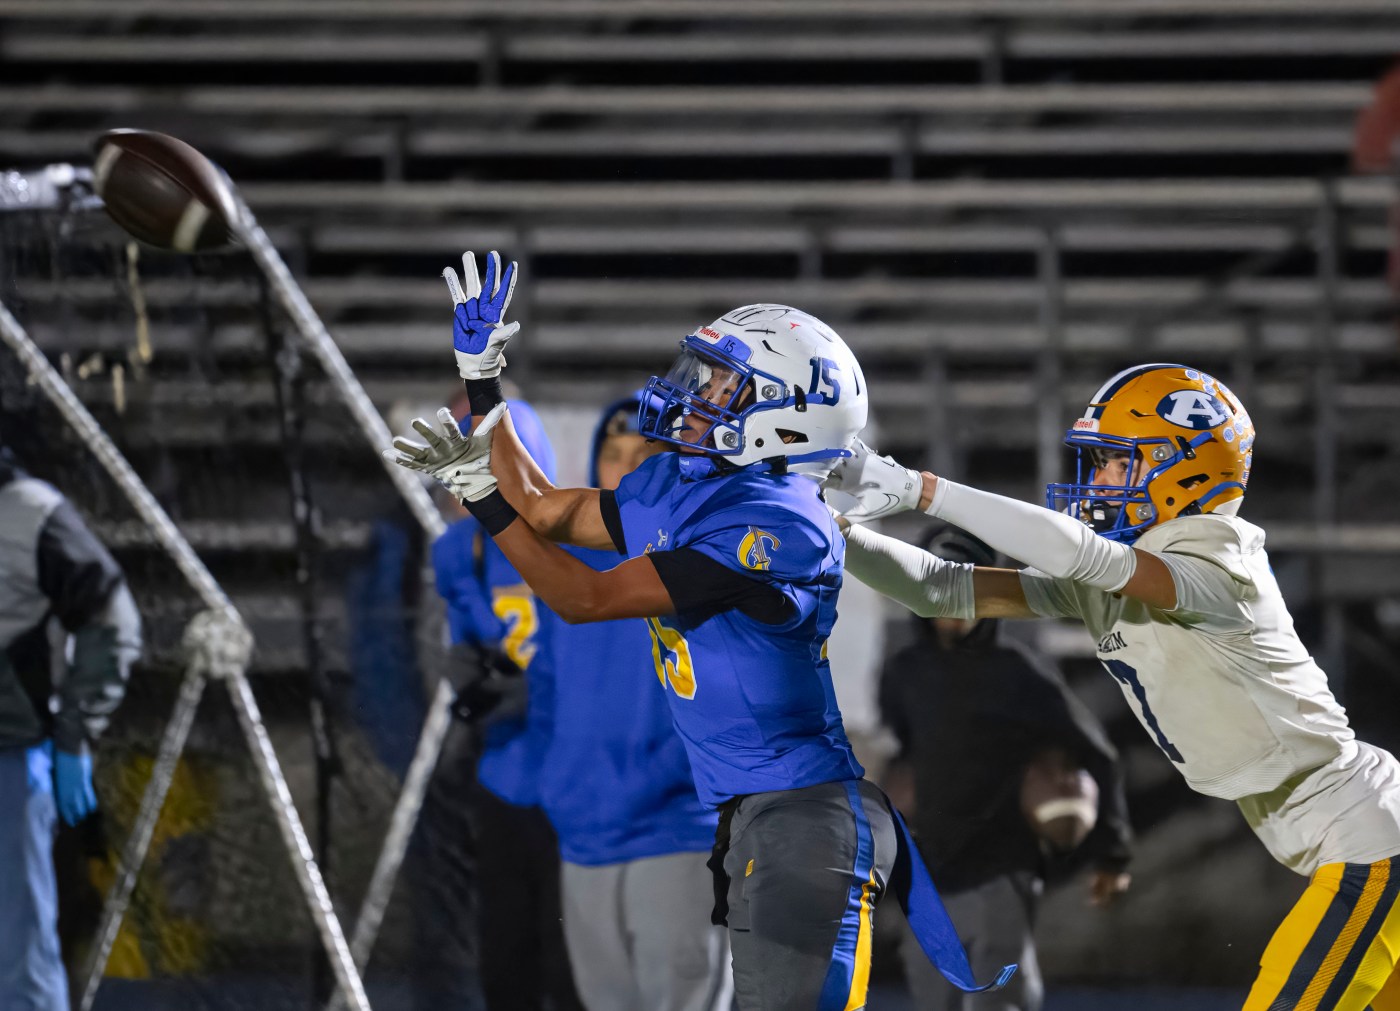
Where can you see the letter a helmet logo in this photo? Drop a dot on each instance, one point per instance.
(1193, 409)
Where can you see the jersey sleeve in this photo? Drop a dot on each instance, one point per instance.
(1049, 597)
(1207, 560)
(640, 507)
(763, 540)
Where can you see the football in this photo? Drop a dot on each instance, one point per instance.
(164, 192)
(1059, 799)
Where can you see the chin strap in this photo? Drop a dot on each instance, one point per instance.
(698, 467)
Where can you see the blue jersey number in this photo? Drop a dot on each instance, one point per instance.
(825, 388)
(1128, 676)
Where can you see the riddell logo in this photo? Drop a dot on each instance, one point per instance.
(705, 331)
(1086, 425)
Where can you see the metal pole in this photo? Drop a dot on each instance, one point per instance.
(430, 742)
(289, 386)
(169, 537)
(1049, 367)
(172, 745)
(942, 452)
(320, 344)
(1324, 387)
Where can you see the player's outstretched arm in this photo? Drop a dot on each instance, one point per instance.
(930, 586)
(578, 593)
(568, 515)
(573, 590)
(479, 338)
(1056, 544)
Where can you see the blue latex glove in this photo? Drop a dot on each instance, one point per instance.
(72, 785)
(478, 334)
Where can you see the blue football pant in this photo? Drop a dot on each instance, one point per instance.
(31, 967)
(806, 868)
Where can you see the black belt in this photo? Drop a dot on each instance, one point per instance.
(719, 915)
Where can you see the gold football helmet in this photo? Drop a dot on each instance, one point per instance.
(1192, 436)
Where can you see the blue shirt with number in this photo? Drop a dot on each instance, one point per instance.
(616, 782)
(753, 702)
(489, 605)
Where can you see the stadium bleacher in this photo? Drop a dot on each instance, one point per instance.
(985, 197)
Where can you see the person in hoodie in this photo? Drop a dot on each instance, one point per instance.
(496, 623)
(972, 710)
(53, 572)
(618, 790)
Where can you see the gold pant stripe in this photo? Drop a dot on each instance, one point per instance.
(1360, 914)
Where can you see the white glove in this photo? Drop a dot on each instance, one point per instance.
(880, 486)
(461, 463)
(479, 334)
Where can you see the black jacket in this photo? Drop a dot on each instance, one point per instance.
(969, 720)
(53, 571)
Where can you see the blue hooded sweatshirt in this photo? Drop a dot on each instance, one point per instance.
(617, 783)
(488, 604)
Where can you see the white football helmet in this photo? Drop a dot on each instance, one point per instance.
(761, 384)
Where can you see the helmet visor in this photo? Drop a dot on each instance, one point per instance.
(702, 400)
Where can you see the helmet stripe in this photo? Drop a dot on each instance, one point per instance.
(1100, 399)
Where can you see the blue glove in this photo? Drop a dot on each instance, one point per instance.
(478, 334)
(72, 785)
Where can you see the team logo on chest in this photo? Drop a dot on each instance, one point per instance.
(755, 547)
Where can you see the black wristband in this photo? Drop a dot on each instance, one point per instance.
(484, 394)
(493, 512)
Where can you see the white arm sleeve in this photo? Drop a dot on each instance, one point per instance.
(1049, 541)
(924, 583)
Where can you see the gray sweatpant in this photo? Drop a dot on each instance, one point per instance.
(640, 938)
(996, 924)
(805, 869)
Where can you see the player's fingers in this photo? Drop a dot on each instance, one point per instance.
(450, 428)
(409, 448)
(504, 332)
(454, 286)
(493, 275)
(426, 431)
(471, 280)
(399, 457)
(507, 287)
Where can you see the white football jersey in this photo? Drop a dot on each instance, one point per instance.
(1226, 688)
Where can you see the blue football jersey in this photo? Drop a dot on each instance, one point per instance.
(489, 605)
(617, 783)
(752, 701)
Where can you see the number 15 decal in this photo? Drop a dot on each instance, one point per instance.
(825, 387)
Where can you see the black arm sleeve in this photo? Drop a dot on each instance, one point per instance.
(87, 593)
(701, 587)
(612, 519)
(76, 572)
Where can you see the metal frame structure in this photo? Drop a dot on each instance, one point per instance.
(218, 641)
(219, 645)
